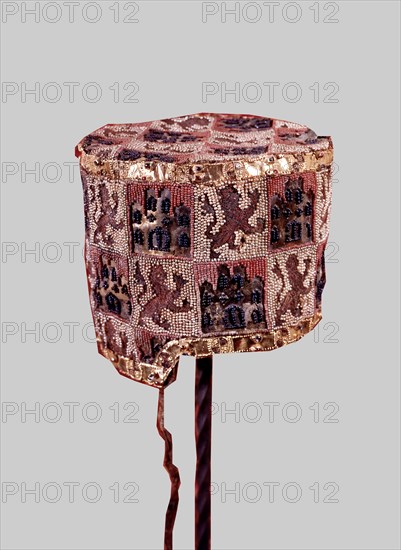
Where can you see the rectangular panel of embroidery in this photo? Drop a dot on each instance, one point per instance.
(160, 220)
(230, 221)
(109, 283)
(231, 296)
(106, 215)
(291, 285)
(165, 294)
(291, 210)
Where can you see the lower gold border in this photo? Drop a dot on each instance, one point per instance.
(163, 371)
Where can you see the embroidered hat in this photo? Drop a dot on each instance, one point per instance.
(204, 234)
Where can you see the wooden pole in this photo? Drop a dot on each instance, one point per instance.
(203, 437)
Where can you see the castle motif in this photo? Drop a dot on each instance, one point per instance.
(235, 303)
(111, 291)
(291, 215)
(156, 229)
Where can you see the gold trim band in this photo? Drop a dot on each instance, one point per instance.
(207, 172)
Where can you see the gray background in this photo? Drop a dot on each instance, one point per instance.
(351, 362)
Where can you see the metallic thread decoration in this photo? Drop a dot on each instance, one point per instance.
(207, 173)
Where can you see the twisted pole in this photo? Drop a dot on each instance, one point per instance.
(203, 437)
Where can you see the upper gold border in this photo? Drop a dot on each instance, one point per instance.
(206, 172)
